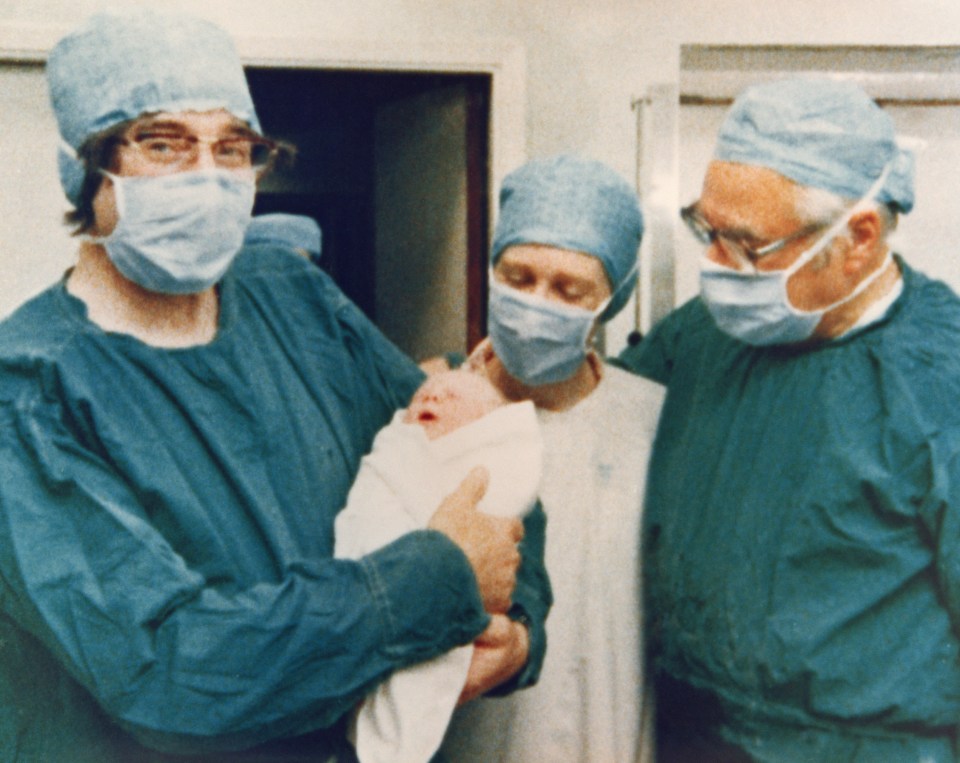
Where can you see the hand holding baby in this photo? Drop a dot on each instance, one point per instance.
(490, 543)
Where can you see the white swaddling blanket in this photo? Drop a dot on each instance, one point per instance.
(401, 482)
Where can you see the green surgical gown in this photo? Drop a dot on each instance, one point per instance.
(166, 530)
(803, 531)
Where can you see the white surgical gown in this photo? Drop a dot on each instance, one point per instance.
(588, 704)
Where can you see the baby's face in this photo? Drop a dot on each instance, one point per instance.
(449, 400)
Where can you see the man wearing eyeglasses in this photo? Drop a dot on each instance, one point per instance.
(803, 515)
(182, 419)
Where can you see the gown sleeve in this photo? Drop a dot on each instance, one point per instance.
(923, 430)
(532, 599)
(188, 664)
(940, 515)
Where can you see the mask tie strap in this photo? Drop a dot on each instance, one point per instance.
(834, 230)
(626, 279)
(69, 151)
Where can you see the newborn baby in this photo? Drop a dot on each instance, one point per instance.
(456, 420)
(450, 400)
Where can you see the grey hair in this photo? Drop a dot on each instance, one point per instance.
(819, 206)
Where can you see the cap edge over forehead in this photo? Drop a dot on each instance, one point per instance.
(575, 203)
(817, 132)
(121, 64)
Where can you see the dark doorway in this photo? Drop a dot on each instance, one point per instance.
(378, 241)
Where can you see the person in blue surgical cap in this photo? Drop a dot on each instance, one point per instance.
(564, 260)
(183, 418)
(298, 232)
(802, 548)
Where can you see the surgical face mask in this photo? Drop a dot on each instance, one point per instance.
(755, 307)
(178, 233)
(539, 341)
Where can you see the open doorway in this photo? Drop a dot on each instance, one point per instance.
(394, 168)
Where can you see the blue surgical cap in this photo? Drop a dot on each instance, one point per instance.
(295, 231)
(120, 65)
(574, 203)
(821, 133)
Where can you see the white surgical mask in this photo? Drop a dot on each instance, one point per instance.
(540, 341)
(178, 233)
(755, 307)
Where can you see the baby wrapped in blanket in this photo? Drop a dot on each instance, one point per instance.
(457, 420)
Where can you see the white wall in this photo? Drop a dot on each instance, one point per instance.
(585, 61)
(35, 247)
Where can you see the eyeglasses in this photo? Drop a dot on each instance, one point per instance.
(170, 149)
(735, 248)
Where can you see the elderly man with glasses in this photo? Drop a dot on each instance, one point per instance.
(802, 534)
(182, 419)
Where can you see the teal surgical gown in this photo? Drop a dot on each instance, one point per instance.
(166, 523)
(803, 531)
